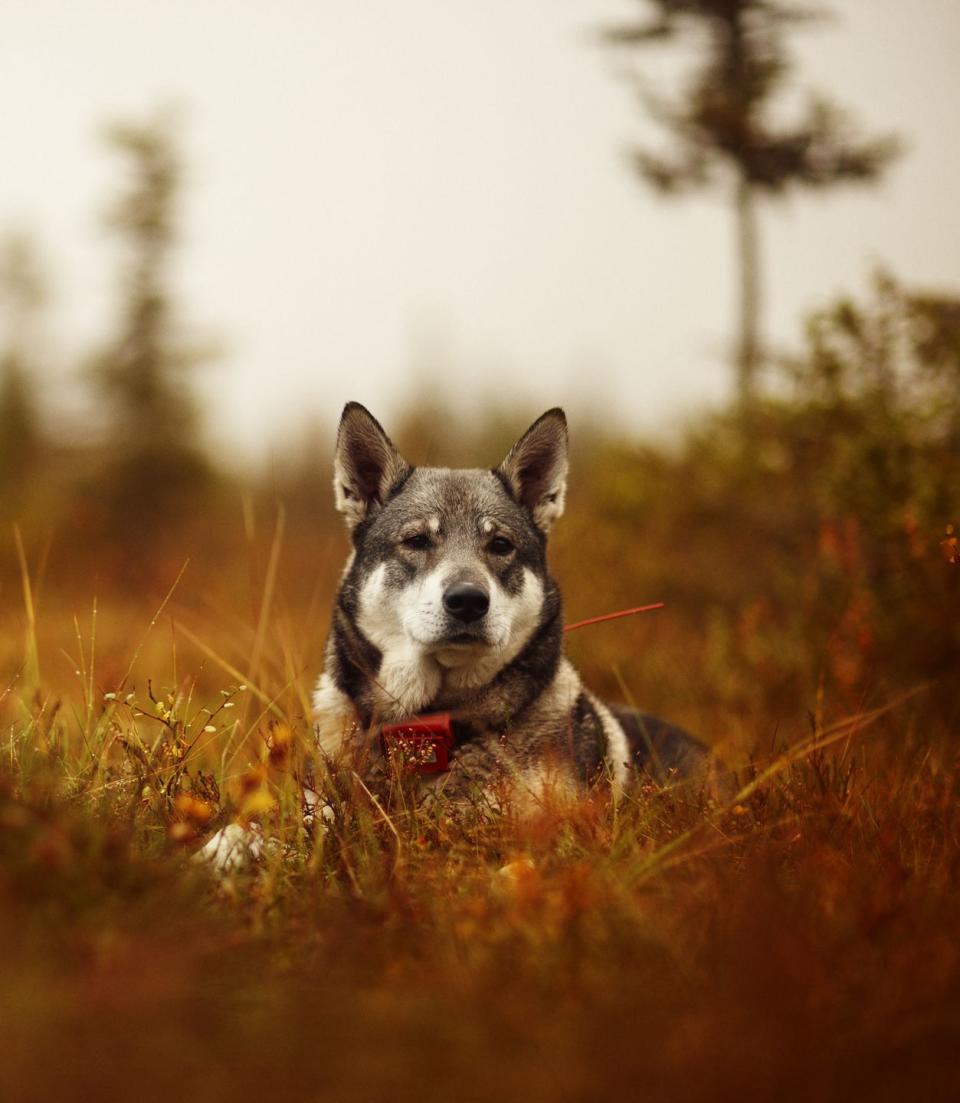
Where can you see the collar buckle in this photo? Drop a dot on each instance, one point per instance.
(421, 744)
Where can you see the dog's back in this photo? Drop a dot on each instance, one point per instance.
(658, 748)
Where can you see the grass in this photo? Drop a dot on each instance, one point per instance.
(796, 941)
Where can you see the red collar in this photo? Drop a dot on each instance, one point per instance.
(422, 744)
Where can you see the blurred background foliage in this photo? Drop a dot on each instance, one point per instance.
(802, 540)
(807, 539)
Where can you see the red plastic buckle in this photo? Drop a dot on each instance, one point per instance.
(423, 742)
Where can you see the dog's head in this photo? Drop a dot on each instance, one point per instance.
(449, 565)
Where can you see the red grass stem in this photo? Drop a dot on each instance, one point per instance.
(613, 616)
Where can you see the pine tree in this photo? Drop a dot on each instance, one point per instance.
(21, 299)
(140, 372)
(156, 469)
(725, 136)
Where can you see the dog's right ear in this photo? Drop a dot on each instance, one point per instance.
(366, 465)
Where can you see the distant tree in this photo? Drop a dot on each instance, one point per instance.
(726, 136)
(156, 467)
(21, 300)
(141, 371)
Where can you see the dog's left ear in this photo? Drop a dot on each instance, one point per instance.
(366, 466)
(536, 468)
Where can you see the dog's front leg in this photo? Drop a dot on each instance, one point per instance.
(231, 847)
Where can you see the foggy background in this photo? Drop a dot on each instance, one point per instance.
(435, 193)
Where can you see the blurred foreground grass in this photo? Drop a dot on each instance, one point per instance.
(797, 942)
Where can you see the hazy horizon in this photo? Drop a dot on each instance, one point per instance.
(380, 195)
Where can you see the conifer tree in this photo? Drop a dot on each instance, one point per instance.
(156, 468)
(141, 371)
(21, 300)
(726, 136)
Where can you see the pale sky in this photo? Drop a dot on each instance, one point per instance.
(378, 190)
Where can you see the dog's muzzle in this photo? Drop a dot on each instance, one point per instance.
(466, 601)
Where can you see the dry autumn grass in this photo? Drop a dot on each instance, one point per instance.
(796, 941)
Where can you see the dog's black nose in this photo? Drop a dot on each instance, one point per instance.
(466, 601)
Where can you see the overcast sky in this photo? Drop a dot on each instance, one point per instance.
(378, 190)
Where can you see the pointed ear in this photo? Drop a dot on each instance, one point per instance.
(366, 465)
(535, 469)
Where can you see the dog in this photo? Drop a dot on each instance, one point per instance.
(447, 606)
(447, 631)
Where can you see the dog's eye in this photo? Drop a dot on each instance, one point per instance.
(500, 545)
(418, 542)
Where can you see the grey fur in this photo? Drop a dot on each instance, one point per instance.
(524, 723)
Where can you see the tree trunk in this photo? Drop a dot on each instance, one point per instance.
(748, 257)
